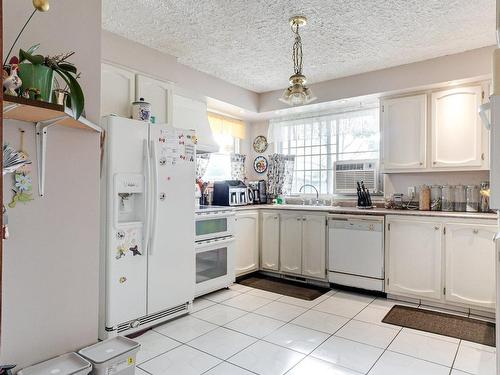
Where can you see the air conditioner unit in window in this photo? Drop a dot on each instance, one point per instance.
(348, 172)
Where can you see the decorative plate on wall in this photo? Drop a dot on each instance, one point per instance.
(260, 164)
(260, 144)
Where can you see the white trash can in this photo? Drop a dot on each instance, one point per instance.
(115, 356)
(66, 364)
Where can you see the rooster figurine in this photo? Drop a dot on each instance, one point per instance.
(12, 82)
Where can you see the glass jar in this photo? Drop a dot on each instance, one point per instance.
(484, 196)
(460, 199)
(447, 198)
(424, 202)
(436, 191)
(472, 193)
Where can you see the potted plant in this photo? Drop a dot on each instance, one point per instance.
(37, 71)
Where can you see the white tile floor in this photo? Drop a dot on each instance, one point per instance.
(244, 331)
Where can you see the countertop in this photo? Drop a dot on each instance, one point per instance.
(373, 211)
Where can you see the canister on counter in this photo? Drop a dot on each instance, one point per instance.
(447, 198)
(484, 196)
(472, 193)
(436, 192)
(424, 202)
(460, 199)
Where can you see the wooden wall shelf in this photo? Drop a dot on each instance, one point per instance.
(44, 115)
(16, 108)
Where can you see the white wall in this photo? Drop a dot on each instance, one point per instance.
(50, 274)
(128, 54)
(399, 183)
(253, 130)
(475, 63)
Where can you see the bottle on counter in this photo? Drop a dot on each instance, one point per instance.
(460, 202)
(472, 193)
(436, 192)
(424, 202)
(484, 196)
(447, 198)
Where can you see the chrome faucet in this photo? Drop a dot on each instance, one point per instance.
(314, 187)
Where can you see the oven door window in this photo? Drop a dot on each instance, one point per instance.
(211, 226)
(211, 264)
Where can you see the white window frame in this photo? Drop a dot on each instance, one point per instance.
(332, 141)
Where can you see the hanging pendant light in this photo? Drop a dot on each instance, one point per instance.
(297, 93)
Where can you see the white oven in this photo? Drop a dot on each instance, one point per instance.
(214, 224)
(214, 264)
(214, 248)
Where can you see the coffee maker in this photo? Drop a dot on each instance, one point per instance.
(259, 191)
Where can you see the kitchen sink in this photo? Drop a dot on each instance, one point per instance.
(306, 201)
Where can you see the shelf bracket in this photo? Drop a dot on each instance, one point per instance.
(10, 107)
(41, 149)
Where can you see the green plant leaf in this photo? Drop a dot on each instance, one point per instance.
(34, 59)
(68, 67)
(33, 49)
(75, 93)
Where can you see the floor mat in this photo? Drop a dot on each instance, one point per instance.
(288, 288)
(459, 327)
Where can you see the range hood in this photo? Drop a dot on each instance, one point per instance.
(189, 113)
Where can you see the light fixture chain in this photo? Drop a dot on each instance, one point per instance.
(297, 50)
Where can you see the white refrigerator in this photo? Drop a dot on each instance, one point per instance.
(147, 221)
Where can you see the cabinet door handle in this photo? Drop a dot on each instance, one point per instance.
(276, 217)
(436, 228)
(482, 156)
(298, 219)
(475, 231)
(303, 219)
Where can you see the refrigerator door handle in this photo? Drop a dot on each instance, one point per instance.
(147, 195)
(154, 196)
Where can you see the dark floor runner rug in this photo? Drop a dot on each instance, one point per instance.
(288, 288)
(459, 327)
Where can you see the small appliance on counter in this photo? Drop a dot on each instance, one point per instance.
(259, 191)
(230, 193)
(364, 198)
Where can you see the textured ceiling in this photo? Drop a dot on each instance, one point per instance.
(248, 42)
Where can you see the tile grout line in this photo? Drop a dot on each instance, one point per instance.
(284, 323)
(378, 359)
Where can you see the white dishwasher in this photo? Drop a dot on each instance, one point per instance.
(356, 251)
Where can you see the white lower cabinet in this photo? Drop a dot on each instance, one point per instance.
(470, 264)
(247, 242)
(270, 241)
(314, 246)
(291, 243)
(413, 257)
(447, 260)
(303, 244)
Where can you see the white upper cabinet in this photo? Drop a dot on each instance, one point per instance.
(413, 257)
(159, 94)
(404, 129)
(470, 264)
(247, 242)
(117, 91)
(314, 246)
(270, 241)
(457, 131)
(291, 243)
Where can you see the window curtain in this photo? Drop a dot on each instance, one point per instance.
(280, 174)
(226, 125)
(283, 129)
(238, 167)
(201, 164)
